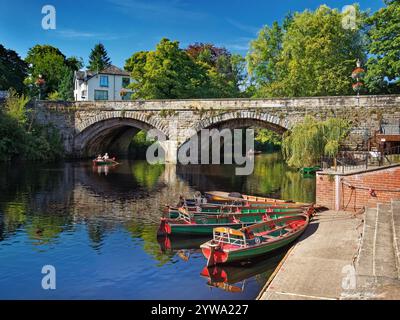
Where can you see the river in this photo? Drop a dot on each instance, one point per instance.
(98, 229)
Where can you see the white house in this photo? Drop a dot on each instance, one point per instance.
(108, 84)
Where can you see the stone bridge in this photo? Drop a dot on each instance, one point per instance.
(89, 128)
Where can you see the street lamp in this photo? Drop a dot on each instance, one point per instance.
(357, 75)
(40, 82)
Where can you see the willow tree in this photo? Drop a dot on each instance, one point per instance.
(311, 139)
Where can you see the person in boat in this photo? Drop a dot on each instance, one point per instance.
(99, 157)
(106, 157)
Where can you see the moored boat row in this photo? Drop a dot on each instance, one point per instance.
(241, 226)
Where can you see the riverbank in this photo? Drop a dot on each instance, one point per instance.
(342, 256)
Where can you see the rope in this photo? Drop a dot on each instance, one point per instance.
(348, 184)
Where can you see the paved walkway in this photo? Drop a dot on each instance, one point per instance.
(378, 263)
(343, 256)
(313, 268)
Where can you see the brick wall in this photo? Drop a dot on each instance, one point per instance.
(354, 189)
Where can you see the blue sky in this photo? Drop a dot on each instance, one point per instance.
(127, 26)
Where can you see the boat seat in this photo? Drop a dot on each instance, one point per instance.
(268, 237)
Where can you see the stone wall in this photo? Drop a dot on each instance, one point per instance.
(360, 189)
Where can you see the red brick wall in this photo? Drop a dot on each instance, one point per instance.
(384, 182)
(325, 191)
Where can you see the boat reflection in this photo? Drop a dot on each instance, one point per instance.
(182, 247)
(233, 277)
(104, 168)
(180, 243)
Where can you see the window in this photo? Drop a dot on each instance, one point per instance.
(100, 95)
(125, 82)
(83, 93)
(103, 81)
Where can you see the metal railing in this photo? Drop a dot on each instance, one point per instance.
(227, 238)
(348, 161)
(390, 129)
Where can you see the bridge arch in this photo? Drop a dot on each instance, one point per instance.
(234, 120)
(110, 134)
(239, 120)
(244, 119)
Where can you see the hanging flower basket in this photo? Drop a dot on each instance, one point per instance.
(358, 73)
(357, 86)
(123, 92)
(40, 82)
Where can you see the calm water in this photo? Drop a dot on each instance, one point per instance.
(98, 229)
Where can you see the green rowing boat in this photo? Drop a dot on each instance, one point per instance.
(229, 245)
(189, 224)
(173, 213)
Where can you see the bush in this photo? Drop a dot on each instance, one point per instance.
(20, 140)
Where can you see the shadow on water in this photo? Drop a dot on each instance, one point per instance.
(233, 277)
(86, 221)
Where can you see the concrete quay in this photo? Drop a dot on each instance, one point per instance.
(342, 256)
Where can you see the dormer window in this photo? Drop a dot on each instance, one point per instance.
(103, 81)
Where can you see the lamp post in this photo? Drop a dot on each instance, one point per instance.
(357, 75)
(40, 82)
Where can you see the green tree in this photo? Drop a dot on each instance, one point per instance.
(74, 63)
(166, 73)
(383, 67)
(13, 70)
(315, 58)
(311, 139)
(98, 58)
(225, 72)
(48, 62)
(267, 139)
(264, 54)
(23, 139)
(66, 86)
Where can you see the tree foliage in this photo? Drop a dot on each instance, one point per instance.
(200, 71)
(312, 56)
(311, 139)
(20, 139)
(55, 69)
(98, 58)
(383, 67)
(13, 70)
(267, 139)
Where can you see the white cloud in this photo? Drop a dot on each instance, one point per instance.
(172, 10)
(243, 27)
(78, 34)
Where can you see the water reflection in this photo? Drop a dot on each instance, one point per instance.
(86, 222)
(232, 278)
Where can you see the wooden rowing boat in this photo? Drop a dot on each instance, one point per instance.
(238, 197)
(229, 245)
(173, 212)
(310, 170)
(101, 162)
(232, 277)
(203, 224)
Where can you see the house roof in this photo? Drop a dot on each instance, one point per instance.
(110, 70)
